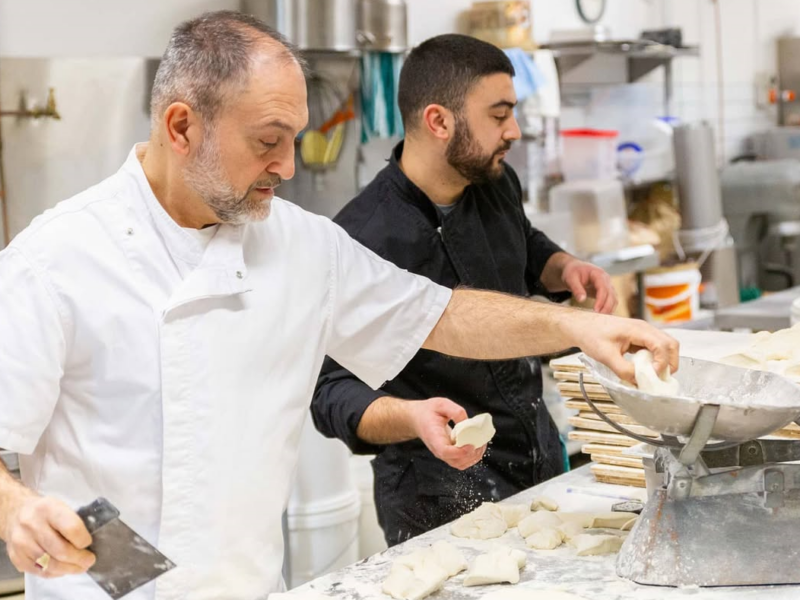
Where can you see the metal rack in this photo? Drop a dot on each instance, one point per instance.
(597, 63)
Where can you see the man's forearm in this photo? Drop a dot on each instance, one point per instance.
(493, 326)
(12, 496)
(553, 269)
(386, 421)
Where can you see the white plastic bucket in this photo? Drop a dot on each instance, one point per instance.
(323, 510)
(323, 537)
(370, 535)
(794, 315)
(672, 295)
(589, 154)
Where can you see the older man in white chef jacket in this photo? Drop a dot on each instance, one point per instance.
(161, 332)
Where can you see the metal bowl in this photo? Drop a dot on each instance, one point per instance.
(752, 403)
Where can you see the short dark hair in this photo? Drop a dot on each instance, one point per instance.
(442, 70)
(208, 57)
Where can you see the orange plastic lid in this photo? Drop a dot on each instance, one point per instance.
(597, 133)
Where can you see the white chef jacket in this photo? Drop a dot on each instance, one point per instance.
(179, 394)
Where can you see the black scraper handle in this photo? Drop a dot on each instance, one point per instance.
(98, 514)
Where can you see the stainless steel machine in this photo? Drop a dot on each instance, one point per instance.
(761, 202)
(724, 506)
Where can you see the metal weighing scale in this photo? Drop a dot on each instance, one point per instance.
(724, 506)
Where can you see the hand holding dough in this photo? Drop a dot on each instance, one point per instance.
(477, 431)
(650, 382)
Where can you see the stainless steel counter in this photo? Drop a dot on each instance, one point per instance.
(588, 577)
(768, 313)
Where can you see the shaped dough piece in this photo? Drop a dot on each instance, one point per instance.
(442, 554)
(583, 519)
(307, 595)
(520, 556)
(483, 523)
(544, 503)
(537, 521)
(501, 565)
(612, 520)
(514, 513)
(545, 539)
(570, 530)
(650, 382)
(404, 583)
(526, 594)
(449, 558)
(477, 431)
(591, 545)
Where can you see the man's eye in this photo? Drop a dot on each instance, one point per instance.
(502, 118)
(268, 145)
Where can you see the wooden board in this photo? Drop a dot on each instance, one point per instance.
(617, 480)
(598, 437)
(619, 472)
(581, 406)
(603, 449)
(622, 419)
(620, 461)
(573, 390)
(573, 377)
(598, 425)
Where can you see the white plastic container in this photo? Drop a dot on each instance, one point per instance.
(672, 294)
(323, 537)
(599, 217)
(589, 154)
(324, 509)
(647, 153)
(370, 535)
(794, 315)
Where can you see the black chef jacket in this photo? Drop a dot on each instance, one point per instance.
(484, 242)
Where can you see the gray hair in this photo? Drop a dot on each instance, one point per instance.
(210, 57)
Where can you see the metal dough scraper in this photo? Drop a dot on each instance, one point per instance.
(125, 561)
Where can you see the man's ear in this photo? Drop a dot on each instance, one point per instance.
(181, 124)
(439, 121)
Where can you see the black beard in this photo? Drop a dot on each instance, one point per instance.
(465, 156)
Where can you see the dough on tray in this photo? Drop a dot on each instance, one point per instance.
(650, 382)
(570, 530)
(483, 523)
(441, 553)
(514, 513)
(537, 521)
(500, 565)
(591, 545)
(544, 503)
(404, 583)
(545, 539)
(612, 520)
(530, 594)
(477, 431)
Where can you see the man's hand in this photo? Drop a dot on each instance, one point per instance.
(608, 338)
(587, 280)
(42, 527)
(430, 420)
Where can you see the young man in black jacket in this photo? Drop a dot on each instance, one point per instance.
(447, 207)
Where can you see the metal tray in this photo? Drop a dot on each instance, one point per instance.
(752, 403)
